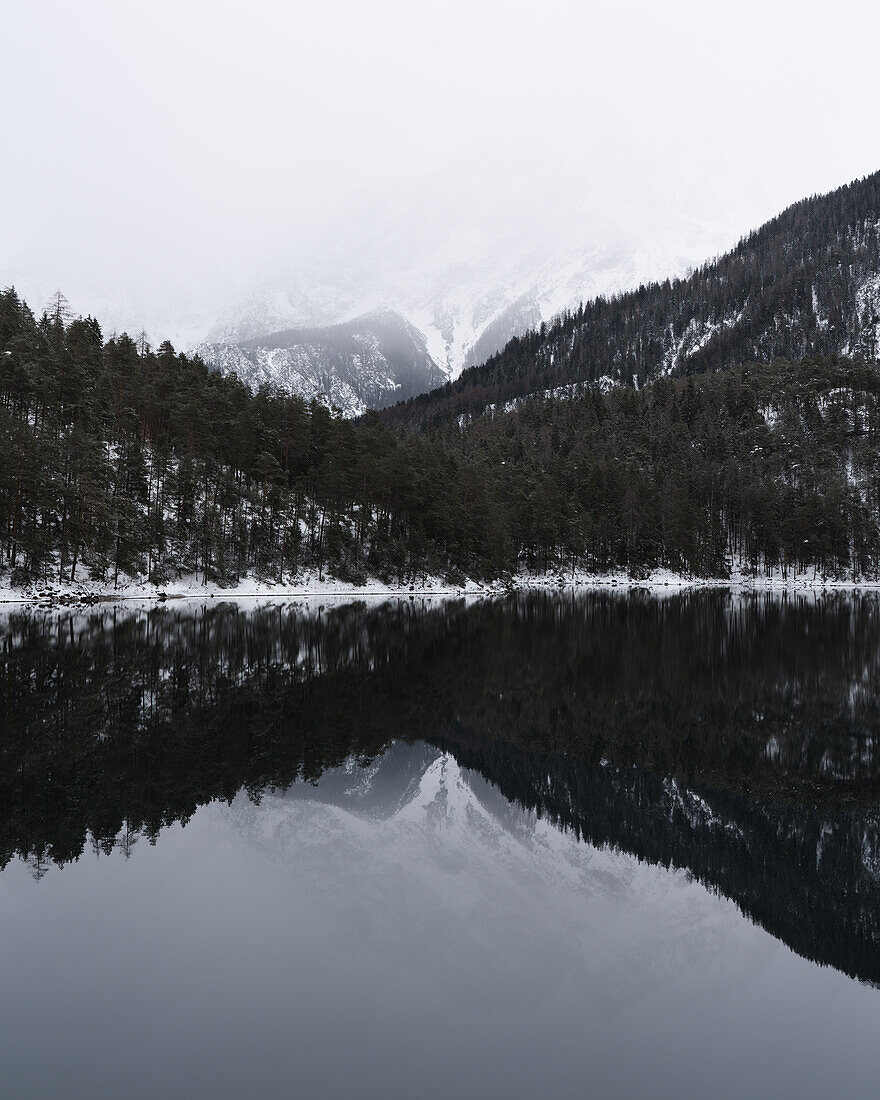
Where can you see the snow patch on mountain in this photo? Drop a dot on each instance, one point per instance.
(464, 313)
(867, 342)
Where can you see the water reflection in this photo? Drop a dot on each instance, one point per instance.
(734, 737)
(401, 929)
(475, 812)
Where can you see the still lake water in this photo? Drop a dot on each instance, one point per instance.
(602, 846)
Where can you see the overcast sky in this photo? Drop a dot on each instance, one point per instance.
(186, 144)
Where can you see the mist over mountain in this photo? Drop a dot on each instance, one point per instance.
(166, 306)
(488, 175)
(467, 290)
(467, 270)
(618, 302)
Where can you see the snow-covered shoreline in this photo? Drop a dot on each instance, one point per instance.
(310, 586)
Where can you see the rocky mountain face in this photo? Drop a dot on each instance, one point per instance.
(461, 265)
(366, 363)
(465, 308)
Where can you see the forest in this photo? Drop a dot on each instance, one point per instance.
(803, 284)
(120, 461)
(117, 460)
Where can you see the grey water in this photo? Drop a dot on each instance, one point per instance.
(597, 845)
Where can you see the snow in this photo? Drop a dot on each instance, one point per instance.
(377, 357)
(313, 586)
(307, 585)
(867, 313)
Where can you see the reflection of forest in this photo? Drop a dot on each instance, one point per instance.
(734, 737)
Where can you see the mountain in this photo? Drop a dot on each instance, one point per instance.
(467, 261)
(806, 283)
(418, 329)
(467, 301)
(119, 464)
(466, 271)
(366, 363)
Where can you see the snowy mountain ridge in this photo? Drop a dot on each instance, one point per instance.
(466, 282)
(369, 362)
(461, 265)
(466, 312)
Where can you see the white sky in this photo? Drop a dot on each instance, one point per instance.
(175, 148)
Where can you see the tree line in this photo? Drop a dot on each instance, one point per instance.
(119, 461)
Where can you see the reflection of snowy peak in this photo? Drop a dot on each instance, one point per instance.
(416, 787)
(415, 795)
(427, 865)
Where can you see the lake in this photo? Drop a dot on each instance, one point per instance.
(604, 845)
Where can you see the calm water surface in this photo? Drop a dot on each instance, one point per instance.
(606, 846)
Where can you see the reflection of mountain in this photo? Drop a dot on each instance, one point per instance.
(414, 855)
(813, 882)
(422, 785)
(732, 738)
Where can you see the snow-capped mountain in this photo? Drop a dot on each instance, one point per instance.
(465, 282)
(805, 283)
(465, 309)
(454, 265)
(368, 362)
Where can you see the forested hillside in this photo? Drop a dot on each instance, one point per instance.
(765, 468)
(117, 461)
(806, 283)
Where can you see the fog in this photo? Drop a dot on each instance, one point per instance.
(160, 158)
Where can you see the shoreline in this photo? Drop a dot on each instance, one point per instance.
(310, 587)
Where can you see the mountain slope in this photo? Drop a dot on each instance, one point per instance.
(470, 267)
(806, 283)
(466, 305)
(368, 362)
